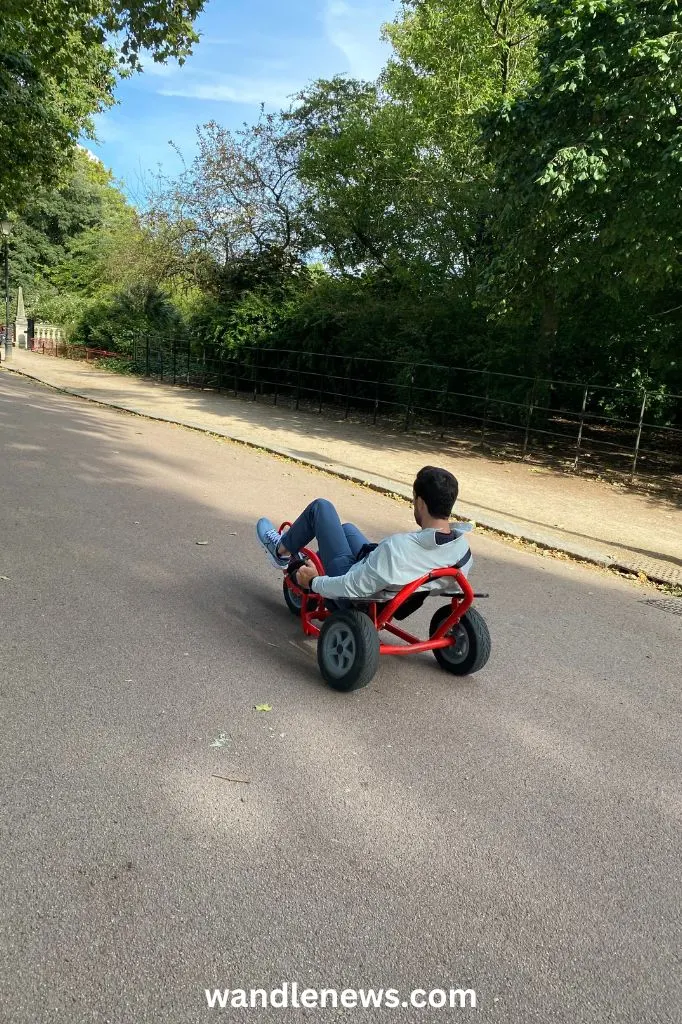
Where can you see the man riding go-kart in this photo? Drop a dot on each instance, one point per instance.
(356, 588)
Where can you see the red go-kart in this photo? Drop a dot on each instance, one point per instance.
(348, 641)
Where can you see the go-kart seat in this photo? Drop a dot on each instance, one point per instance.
(409, 607)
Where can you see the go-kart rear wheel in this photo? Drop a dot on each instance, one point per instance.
(294, 602)
(471, 649)
(348, 650)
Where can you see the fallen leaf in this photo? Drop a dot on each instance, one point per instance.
(262, 707)
(6, 578)
(202, 543)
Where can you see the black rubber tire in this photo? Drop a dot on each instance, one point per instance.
(473, 647)
(293, 602)
(348, 650)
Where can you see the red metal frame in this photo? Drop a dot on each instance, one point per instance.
(313, 609)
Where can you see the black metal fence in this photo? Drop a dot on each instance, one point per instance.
(582, 425)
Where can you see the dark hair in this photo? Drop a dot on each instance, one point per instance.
(439, 490)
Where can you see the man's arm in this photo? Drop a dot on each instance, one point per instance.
(365, 579)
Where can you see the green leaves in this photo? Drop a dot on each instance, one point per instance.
(58, 68)
(587, 153)
(506, 195)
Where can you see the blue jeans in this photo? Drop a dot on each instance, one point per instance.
(338, 543)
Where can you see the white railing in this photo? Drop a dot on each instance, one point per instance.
(47, 333)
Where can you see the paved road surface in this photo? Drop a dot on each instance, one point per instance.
(589, 519)
(516, 833)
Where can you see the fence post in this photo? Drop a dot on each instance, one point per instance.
(160, 363)
(376, 399)
(298, 380)
(146, 370)
(349, 381)
(446, 395)
(254, 373)
(276, 385)
(529, 417)
(319, 397)
(580, 431)
(409, 400)
(486, 406)
(174, 350)
(221, 370)
(639, 434)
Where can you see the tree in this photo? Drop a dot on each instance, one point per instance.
(53, 245)
(363, 207)
(83, 258)
(235, 213)
(589, 160)
(454, 60)
(396, 179)
(58, 67)
(99, 254)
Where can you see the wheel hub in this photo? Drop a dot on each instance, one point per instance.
(460, 648)
(340, 650)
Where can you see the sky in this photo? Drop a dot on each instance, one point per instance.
(250, 52)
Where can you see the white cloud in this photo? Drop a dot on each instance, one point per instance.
(90, 155)
(108, 130)
(156, 68)
(355, 29)
(236, 89)
(160, 70)
(221, 41)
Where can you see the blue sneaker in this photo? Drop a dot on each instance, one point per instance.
(270, 537)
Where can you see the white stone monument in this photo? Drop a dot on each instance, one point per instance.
(21, 322)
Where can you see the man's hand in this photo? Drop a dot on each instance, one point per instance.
(306, 574)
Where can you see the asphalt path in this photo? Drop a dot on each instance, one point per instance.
(515, 833)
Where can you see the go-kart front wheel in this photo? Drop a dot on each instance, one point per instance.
(472, 645)
(294, 602)
(348, 650)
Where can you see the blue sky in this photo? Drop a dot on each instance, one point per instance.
(251, 51)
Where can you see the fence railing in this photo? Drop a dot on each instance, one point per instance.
(57, 347)
(630, 431)
(582, 424)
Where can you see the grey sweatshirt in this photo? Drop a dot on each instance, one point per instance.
(397, 561)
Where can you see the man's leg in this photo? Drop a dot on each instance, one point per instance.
(356, 539)
(320, 521)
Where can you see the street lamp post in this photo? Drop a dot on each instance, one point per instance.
(6, 227)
